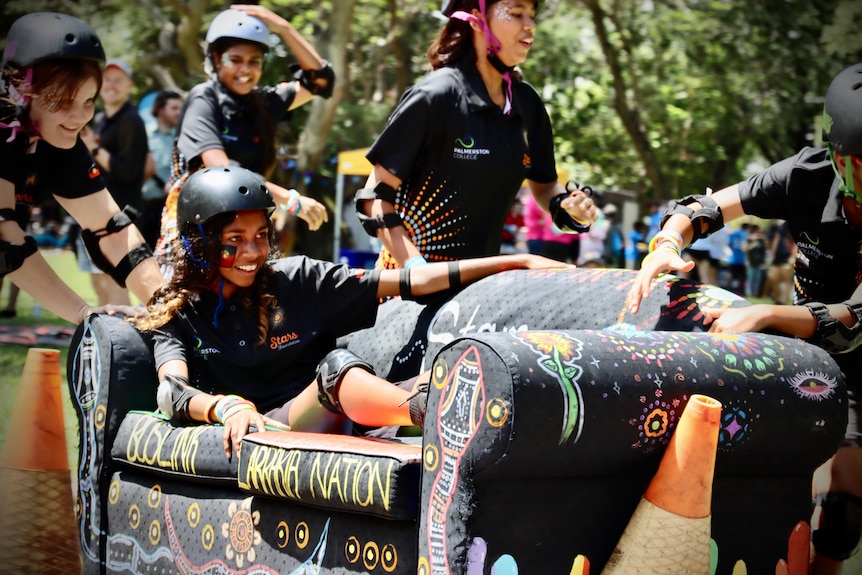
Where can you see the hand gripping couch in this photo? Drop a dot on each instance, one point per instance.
(549, 411)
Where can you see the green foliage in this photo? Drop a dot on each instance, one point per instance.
(683, 94)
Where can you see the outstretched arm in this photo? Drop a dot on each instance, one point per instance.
(441, 276)
(676, 233)
(182, 403)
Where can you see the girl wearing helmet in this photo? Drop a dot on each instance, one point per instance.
(244, 338)
(230, 119)
(818, 192)
(51, 74)
(461, 143)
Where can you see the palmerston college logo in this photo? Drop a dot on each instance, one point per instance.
(466, 149)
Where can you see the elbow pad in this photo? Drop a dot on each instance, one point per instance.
(173, 397)
(709, 213)
(831, 334)
(307, 78)
(12, 256)
(136, 255)
(371, 225)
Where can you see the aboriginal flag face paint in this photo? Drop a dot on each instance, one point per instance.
(227, 255)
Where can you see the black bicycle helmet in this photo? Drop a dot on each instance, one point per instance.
(218, 190)
(237, 25)
(42, 35)
(842, 113)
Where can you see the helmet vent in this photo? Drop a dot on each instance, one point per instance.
(243, 190)
(71, 39)
(856, 86)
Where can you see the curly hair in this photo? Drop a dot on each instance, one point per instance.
(196, 271)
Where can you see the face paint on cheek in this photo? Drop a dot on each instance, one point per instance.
(228, 255)
(225, 61)
(501, 11)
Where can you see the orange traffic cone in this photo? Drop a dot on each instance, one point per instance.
(37, 524)
(798, 552)
(670, 529)
(580, 566)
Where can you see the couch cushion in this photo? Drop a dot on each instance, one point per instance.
(149, 441)
(338, 472)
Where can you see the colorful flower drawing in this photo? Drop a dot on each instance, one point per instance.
(241, 533)
(557, 354)
(751, 355)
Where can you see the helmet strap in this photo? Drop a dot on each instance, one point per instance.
(847, 186)
(493, 47)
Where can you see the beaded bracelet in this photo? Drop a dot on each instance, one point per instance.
(669, 235)
(292, 206)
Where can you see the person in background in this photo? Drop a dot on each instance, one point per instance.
(637, 245)
(737, 263)
(779, 274)
(52, 72)
(755, 255)
(817, 193)
(230, 119)
(543, 238)
(614, 255)
(160, 137)
(230, 291)
(512, 228)
(461, 142)
(117, 141)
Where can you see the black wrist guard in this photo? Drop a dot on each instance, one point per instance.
(562, 219)
(173, 397)
(709, 214)
(831, 334)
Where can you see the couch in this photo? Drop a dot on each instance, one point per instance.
(548, 414)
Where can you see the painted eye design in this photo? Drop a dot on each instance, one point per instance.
(813, 385)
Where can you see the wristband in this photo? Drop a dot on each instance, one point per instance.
(669, 235)
(414, 261)
(404, 288)
(230, 405)
(209, 407)
(292, 206)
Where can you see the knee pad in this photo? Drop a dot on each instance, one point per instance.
(331, 371)
(840, 525)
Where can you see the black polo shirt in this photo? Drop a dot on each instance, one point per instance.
(47, 170)
(214, 118)
(804, 191)
(462, 160)
(317, 303)
(125, 138)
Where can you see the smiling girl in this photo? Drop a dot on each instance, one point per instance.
(461, 143)
(52, 73)
(230, 119)
(243, 338)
